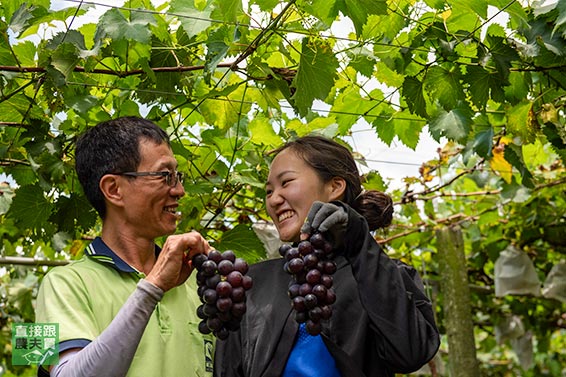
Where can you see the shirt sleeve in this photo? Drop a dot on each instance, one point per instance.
(111, 353)
(63, 299)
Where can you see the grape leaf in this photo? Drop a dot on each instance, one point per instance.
(113, 24)
(521, 122)
(244, 242)
(483, 143)
(216, 51)
(193, 19)
(262, 132)
(514, 156)
(444, 86)
(502, 54)
(359, 10)
(454, 124)
(324, 10)
(413, 92)
(561, 19)
(30, 209)
(22, 18)
(316, 74)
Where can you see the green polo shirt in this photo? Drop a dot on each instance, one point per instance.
(84, 297)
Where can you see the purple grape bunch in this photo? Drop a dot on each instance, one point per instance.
(222, 284)
(311, 265)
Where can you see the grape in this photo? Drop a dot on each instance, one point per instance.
(317, 240)
(319, 291)
(198, 260)
(305, 248)
(315, 314)
(212, 281)
(284, 249)
(292, 253)
(215, 256)
(214, 323)
(229, 255)
(200, 312)
(224, 304)
(310, 301)
(238, 294)
(299, 304)
(313, 328)
(326, 280)
(209, 296)
(326, 311)
(238, 309)
(225, 267)
(222, 334)
(241, 266)
(222, 282)
(203, 327)
(313, 277)
(310, 260)
(247, 282)
(209, 267)
(311, 265)
(235, 278)
(305, 289)
(293, 291)
(224, 289)
(295, 265)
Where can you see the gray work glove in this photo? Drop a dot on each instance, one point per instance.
(329, 219)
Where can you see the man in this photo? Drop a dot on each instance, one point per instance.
(128, 307)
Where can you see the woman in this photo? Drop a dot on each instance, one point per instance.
(382, 323)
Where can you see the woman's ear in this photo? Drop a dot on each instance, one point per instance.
(110, 187)
(337, 188)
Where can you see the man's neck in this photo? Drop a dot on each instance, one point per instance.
(138, 252)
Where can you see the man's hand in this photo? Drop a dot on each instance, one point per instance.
(171, 268)
(327, 218)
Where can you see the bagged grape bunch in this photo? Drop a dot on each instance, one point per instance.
(311, 291)
(222, 285)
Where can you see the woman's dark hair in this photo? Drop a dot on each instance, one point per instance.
(330, 159)
(112, 147)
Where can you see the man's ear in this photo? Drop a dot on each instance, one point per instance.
(111, 189)
(337, 188)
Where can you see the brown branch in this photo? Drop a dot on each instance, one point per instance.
(11, 162)
(13, 124)
(23, 261)
(457, 218)
(113, 72)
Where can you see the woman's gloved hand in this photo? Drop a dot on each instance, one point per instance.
(327, 218)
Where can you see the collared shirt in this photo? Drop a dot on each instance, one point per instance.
(85, 296)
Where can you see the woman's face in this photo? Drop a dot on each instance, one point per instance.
(292, 187)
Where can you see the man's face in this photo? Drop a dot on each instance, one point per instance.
(150, 204)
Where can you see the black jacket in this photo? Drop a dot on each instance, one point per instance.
(382, 323)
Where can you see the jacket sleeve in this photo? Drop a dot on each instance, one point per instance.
(393, 296)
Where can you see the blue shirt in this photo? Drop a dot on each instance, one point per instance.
(310, 357)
